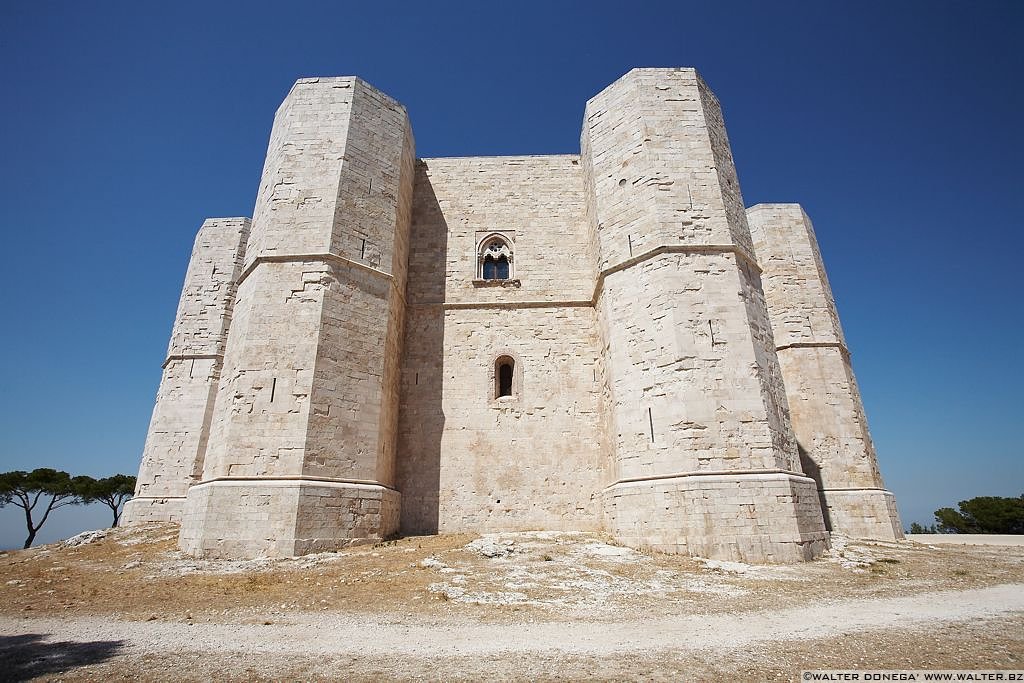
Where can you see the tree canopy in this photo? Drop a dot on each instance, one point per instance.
(983, 515)
(41, 490)
(111, 491)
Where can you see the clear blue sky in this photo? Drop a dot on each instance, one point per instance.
(898, 126)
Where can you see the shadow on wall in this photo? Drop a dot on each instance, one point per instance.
(421, 416)
(812, 470)
(30, 655)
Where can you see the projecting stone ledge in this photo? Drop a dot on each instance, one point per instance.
(757, 518)
(245, 518)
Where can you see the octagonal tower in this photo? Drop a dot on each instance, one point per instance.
(704, 462)
(302, 442)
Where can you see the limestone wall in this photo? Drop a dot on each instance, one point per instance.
(298, 194)
(694, 382)
(689, 341)
(281, 517)
(537, 201)
(309, 393)
(332, 375)
(660, 164)
(754, 517)
(800, 299)
(828, 417)
(466, 460)
(173, 456)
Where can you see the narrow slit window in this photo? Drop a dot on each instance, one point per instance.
(505, 373)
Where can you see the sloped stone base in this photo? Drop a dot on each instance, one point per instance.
(248, 518)
(142, 509)
(759, 517)
(863, 513)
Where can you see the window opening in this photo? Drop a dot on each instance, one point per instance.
(505, 379)
(495, 260)
(495, 268)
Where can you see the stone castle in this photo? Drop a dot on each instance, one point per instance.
(604, 341)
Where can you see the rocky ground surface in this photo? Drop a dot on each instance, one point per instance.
(126, 604)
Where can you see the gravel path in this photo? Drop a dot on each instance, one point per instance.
(335, 633)
(967, 539)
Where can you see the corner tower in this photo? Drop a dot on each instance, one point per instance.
(302, 442)
(172, 459)
(704, 459)
(828, 416)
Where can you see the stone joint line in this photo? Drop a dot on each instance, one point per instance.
(295, 480)
(709, 473)
(592, 302)
(191, 356)
(336, 258)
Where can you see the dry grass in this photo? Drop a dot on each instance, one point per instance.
(547, 576)
(580, 582)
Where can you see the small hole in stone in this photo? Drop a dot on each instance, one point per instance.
(622, 182)
(497, 501)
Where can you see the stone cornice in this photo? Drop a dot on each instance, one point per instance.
(322, 256)
(817, 345)
(671, 249)
(853, 489)
(462, 305)
(192, 356)
(773, 473)
(292, 480)
(740, 253)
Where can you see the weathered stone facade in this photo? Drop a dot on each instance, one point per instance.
(606, 340)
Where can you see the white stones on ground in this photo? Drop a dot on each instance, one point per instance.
(726, 566)
(560, 570)
(753, 571)
(315, 559)
(610, 552)
(490, 546)
(180, 564)
(848, 558)
(85, 538)
(137, 534)
(432, 563)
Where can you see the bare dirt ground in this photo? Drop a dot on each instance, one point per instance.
(537, 605)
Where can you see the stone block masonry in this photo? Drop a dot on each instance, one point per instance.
(309, 398)
(694, 380)
(175, 449)
(828, 418)
(471, 461)
(592, 341)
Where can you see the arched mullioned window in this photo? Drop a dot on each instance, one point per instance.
(495, 259)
